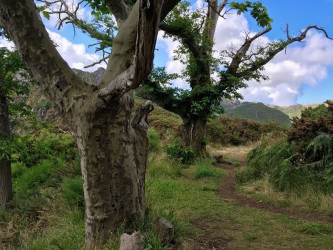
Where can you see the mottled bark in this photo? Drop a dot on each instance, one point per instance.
(194, 134)
(113, 151)
(113, 146)
(5, 167)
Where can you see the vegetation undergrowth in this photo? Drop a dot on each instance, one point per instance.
(48, 212)
(296, 169)
(238, 131)
(187, 195)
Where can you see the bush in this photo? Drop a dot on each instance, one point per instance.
(237, 131)
(72, 191)
(30, 182)
(36, 177)
(181, 154)
(305, 159)
(31, 149)
(281, 163)
(312, 123)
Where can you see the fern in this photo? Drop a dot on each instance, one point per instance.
(321, 146)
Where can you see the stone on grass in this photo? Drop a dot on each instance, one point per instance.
(164, 230)
(220, 160)
(131, 242)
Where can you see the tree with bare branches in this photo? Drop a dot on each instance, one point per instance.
(195, 30)
(113, 145)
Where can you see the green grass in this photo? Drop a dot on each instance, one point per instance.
(205, 169)
(194, 206)
(188, 196)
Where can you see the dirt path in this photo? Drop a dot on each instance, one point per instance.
(228, 192)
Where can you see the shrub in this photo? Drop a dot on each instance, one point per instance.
(181, 154)
(305, 159)
(312, 123)
(41, 174)
(72, 191)
(281, 163)
(237, 131)
(29, 184)
(31, 149)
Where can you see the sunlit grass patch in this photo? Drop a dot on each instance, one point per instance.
(205, 169)
(309, 200)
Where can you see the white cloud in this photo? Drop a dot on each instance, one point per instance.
(172, 66)
(5, 43)
(229, 31)
(75, 54)
(303, 63)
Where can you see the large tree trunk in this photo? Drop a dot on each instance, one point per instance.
(113, 149)
(194, 134)
(5, 168)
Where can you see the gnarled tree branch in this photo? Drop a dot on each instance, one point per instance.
(147, 24)
(241, 52)
(167, 6)
(141, 116)
(269, 56)
(187, 38)
(21, 21)
(70, 15)
(119, 9)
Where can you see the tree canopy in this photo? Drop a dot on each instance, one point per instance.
(214, 75)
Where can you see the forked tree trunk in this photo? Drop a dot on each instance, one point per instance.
(113, 149)
(194, 134)
(5, 167)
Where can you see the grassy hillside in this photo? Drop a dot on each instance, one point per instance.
(294, 110)
(259, 112)
(166, 123)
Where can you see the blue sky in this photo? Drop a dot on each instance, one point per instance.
(303, 75)
(299, 14)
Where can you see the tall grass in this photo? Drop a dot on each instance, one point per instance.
(278, 173)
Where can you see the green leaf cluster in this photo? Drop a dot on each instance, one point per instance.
(182, 154)
(257, 10)
(189, 21)
(15, 82)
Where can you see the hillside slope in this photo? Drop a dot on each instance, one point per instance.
(293, 110)
(259, 112)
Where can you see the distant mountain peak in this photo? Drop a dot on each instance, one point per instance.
(93, 78)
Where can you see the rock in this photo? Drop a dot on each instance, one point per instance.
(219, 159)
(164, 230)
(131, 242)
